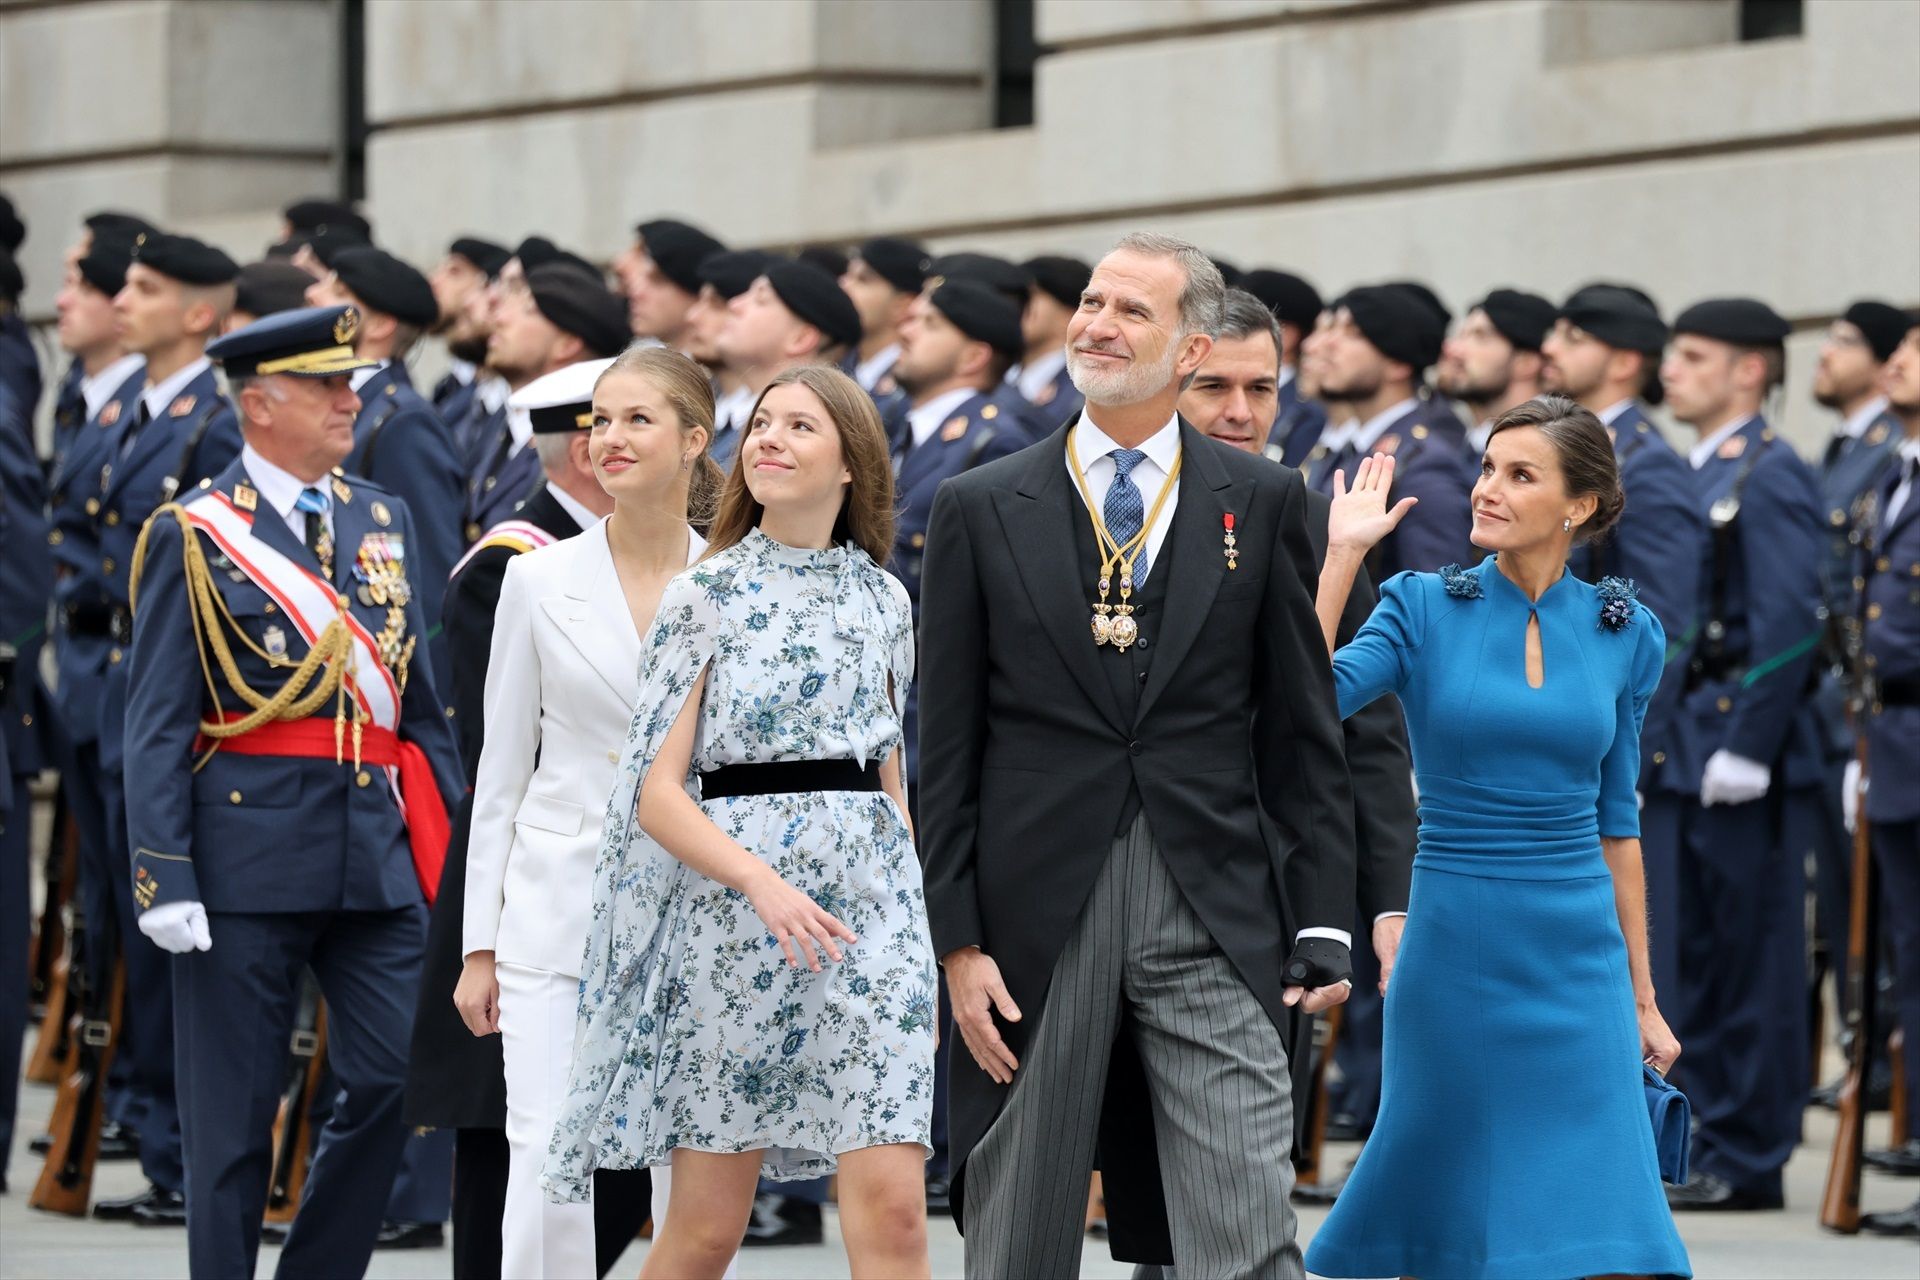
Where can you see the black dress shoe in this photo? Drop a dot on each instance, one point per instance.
(1902, 1161)
(939, 1196)
(1879, 1092)
(121, 1210)
(41, 1145)
(410, 1235)
(780, 1220)
(1704, 1193)
(1894, 1222)
(1318, 1193)
(117, 1142)
(273, 1232)
(162, 1209)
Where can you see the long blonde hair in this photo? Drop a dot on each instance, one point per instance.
(866, 515)
(684, 383)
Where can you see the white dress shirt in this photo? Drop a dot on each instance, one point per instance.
(1478, 434)
(1369, 432)
(1702, 453)
(160, 394)
(1907, 455)
(96, 389)
(492, 393)
(731, 411)
(928, 418)
(361, 376)
(1036, 374)
(281, 489)
(1611, 414)
(869, 372)
(463, 371)
(1856, 424)
(1091, 446)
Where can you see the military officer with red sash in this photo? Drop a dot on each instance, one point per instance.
(292, 769)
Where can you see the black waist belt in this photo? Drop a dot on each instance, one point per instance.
(787, 777)
(1901, 691)
(91, 618)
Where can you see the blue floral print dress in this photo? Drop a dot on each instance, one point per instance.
(693, 1030)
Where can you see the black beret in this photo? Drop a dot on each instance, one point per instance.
(110, 225)
(816, 298)
(678, 250)
(384, 283)
(313, 342)
(1619, 315)
(267, 288)
(1745, 322)
(825, 257)
(995, 273)
(330, 241)
(733, 271)
(983, 314)
(1524, 319)
(901, 263)
(1062, 278)
(183, 258)
(12, 230)
(577, 303)
(1883, 326)
(1292, 300)
(322, 214)
(538, 251)
(1398, 322)
(105, 264)
(1228, 272)
(1427, 297)
(484, 254)
(12, 283)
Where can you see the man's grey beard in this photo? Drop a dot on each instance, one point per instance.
(1130, 385)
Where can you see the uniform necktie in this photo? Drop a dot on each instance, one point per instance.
(1124, 510)
(313, 501)
(141, 418)
(1903, 492)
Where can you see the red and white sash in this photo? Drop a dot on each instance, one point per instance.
(519, 536)
(309, 600)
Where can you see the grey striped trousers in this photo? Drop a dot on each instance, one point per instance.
(1222, 1111)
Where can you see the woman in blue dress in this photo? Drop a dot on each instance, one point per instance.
(1513, 1138)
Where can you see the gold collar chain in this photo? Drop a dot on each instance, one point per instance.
(1114, 624)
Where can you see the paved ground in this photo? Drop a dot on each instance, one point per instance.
(1739, 1247)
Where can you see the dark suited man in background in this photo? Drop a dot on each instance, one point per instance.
(1171, 776)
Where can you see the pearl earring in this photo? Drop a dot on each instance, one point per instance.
(1566, 526)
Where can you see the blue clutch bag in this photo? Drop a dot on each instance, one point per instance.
(1672, 1120)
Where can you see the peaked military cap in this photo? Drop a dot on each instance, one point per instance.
(104, 266)
(1882, 325)
(1061, 278)
(313, 342)
(384, 283)
(579, 304)
(266, 288)
(1397, 322)
(317, 214)
(1745, 322)
(561, 400)
(184, 259)
(484, 254)
(995, 273)
(1524, 319)
(1618, 315)
(678, 249)
(817, 298)
(732, 272)
(981, 313)
(1292, 300)
(901, 263)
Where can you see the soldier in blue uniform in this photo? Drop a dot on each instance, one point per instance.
(1745, 750)
(179, 431)
(1890, 637)
(1491, 361)
(19, 362)
(1856, 456)
(460, 284)
(1604, 351)
(661, 276)
(399, 442)
(883, 277)
(1041, 376)
(723, 277)
(292, 806)
(792, 314)
(1297, 306)
(1010, 280)
(264, 289)
(557, 316)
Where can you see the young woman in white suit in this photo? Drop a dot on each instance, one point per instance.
(561, 685)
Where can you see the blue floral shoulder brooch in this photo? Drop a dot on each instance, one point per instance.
(1460, 584)
(1616, 602)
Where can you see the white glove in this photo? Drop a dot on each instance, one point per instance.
(1850, 794)
(178, 927)
(1732, 779)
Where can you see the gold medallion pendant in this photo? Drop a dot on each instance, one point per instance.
(1113, 624)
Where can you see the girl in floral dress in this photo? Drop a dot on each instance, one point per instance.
(758, 994)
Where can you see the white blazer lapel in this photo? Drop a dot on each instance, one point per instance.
(592, 614)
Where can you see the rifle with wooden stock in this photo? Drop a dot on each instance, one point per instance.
(51, 963)
(97, 983)
(1840, 1199)
(293, 1127)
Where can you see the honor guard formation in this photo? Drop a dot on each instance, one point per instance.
(247, 618)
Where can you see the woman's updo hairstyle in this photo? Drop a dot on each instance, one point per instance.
(690, 395)
(1585, 451)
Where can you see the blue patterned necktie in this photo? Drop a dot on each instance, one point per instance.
(314, 503)
(1124, 509)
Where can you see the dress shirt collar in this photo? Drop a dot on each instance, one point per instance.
(281, 488)
(574, 507)
(1287, 375)
(1037, 374)
(869, 372)
(732, 409)
(463, 371)
(1611, 414)
(360, 377)
(1373, 428)
(96, 389)
(926, 419)
(1479, 434)
(1703, 452)
(493, 392)
(1162, 447)
(1855, 425)
(162, 394)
